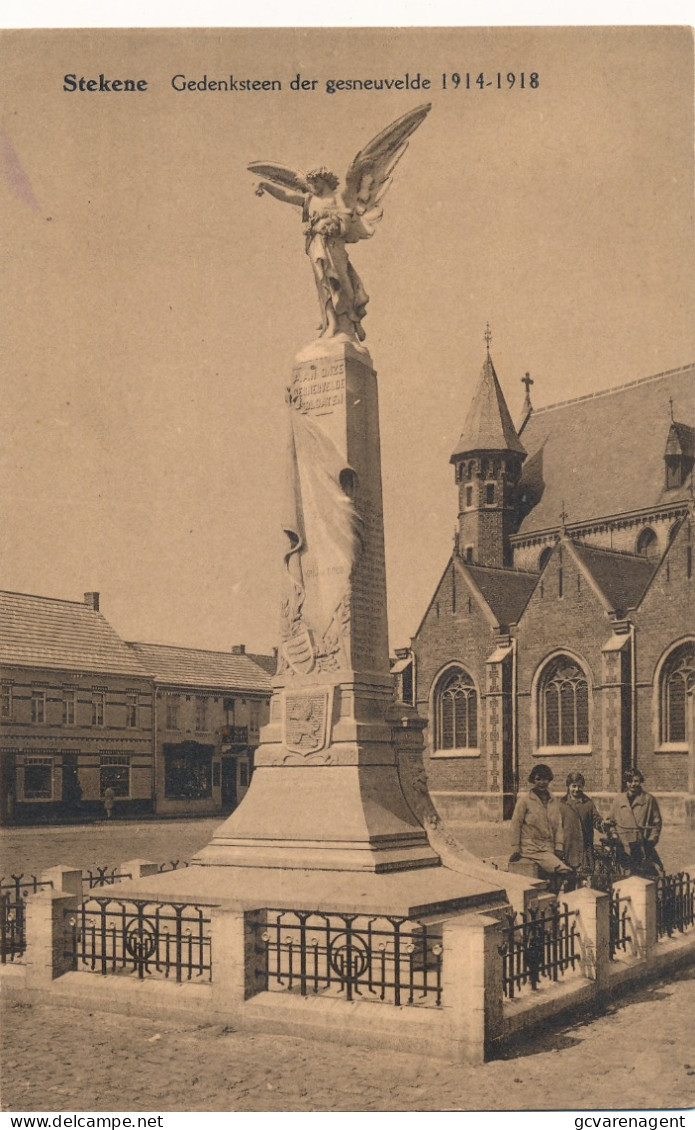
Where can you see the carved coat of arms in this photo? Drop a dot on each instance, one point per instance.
(306, 721)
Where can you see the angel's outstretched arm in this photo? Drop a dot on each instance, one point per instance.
(279, 193)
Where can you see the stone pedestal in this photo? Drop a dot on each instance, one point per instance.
(325, 793)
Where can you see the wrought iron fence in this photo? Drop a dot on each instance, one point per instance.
(619, 922)
(382, 958)
(542, 944)
(109, 876)
(675, 903)
(139, 936)
(105, 877)
(13, 895)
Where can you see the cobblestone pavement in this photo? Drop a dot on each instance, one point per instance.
(104, 843)
(640, 1054)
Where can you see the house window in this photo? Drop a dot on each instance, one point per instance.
(38, 706)
(114, 773)
(98, 701)
(456, 711)
(469, 496)
(131, 711)
(6, 700)
(563, 704)
(172, 713)
(490, 493)
(38, 778)
(254, 717)
(69, 702)
(244, 774)
(201, 713)
(677, 678)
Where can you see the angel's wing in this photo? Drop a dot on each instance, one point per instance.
(369, 175)
(279, 174)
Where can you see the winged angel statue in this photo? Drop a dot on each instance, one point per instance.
(333, 219)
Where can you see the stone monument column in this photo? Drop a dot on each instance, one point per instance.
(325, 792)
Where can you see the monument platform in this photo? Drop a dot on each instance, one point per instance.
(436, 891)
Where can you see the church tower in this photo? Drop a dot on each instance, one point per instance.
(487, 461)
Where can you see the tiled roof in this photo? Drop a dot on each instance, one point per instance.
(488, 425)
(505, 590)
(37, 631)
(603, 454)
(188, 666)
(621, 577)
(269, 663)
(681, 440)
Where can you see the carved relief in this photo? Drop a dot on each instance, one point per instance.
(306, 729)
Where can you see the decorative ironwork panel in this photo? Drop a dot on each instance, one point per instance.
(141, 937)
(675, 903)
(13, 896)
(619, 922)
(382, 958)
(540, 944)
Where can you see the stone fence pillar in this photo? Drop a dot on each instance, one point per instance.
(139, 868)
(65, 880)
(236, 956)
(44, 957)
(641, 897)
(593, 926)
(472, 984)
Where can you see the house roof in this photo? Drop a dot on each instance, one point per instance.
(506, 591)
(603, 454)
(39, 631)
(621, 577)
(188, 666)
(269, 663)
(488, 425)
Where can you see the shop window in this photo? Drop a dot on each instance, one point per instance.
(114, 773)
(38, 778)
(188, 771)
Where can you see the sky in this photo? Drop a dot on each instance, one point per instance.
(155, 304)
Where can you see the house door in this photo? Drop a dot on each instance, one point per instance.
(228, 783)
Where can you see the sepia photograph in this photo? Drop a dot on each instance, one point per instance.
(348, 440)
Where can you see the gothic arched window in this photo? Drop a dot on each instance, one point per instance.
(677, 678)
(456, 711)
(563, 704)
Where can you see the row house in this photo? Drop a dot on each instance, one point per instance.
(166, 729)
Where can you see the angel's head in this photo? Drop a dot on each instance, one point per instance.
(315, 176)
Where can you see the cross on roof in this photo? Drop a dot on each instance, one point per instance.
(526, 380)
(670, 402)
(563, 516)
(487, 335)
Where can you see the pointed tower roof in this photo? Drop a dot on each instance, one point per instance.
(488, 425)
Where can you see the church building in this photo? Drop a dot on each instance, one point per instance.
(562, 630)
